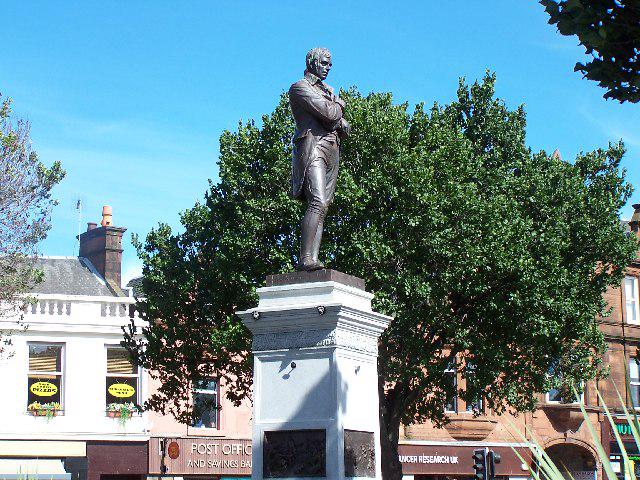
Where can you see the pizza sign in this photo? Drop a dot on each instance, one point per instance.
(43, 389)
(121, 390)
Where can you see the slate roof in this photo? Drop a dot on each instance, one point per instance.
(70, 276)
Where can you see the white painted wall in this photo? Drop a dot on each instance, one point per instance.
(85, 325)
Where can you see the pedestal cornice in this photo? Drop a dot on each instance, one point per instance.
(314, 315)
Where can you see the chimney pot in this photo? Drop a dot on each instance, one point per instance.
(91, 225)
(106, 216)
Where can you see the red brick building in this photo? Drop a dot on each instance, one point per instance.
(435, 454)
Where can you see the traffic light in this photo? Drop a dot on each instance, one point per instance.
(484, 464)
(480, 464)
(492, 459)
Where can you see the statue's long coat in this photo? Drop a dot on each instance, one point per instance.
(316, 113)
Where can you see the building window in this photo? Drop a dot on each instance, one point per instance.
(631, 299)
(206, 404)
(476, 405)
(634, 382)
(451, 377)
(45, 377)
(555, 396)
(123, 379)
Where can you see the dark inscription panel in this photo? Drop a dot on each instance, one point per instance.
(294, 453)
(359, 454)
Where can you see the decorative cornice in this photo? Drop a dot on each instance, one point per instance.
(358, 342)
(321, 338)
(264, 321)
(291, 340)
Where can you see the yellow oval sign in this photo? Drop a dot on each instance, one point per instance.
(43, 389)
(121, 390)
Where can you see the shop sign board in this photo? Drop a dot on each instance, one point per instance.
(624, 430)
(199, 456)
(224, 456)
(417, 459)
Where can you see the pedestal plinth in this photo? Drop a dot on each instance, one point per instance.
(315, 380)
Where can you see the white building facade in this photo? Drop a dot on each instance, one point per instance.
(69, 388)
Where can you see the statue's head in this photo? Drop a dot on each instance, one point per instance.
(319, 62)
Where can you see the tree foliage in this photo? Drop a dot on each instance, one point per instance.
(25, 208)
(609, 30)
(486, 255)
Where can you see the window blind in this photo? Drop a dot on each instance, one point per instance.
(45, 358)
(118, 362)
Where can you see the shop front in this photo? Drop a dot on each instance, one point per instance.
(116, 460)
(454, 461)
(42, 460)
(200, 457)
(72, 460)
(631, 448)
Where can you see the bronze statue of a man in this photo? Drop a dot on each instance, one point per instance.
(316, 149)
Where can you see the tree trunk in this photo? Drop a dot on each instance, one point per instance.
(389, 435)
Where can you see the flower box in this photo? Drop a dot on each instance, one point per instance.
(42, 412)
(121, 411)
(48, 410)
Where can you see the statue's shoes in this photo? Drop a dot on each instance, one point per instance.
(309, 266)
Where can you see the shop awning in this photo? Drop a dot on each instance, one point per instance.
(32, 469)
(42, 449)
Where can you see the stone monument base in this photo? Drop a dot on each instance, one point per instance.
(315, 383)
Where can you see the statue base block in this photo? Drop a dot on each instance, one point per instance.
(324, 275)
(315, 384)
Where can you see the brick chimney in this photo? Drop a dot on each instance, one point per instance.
(102, 246)
(634, 223)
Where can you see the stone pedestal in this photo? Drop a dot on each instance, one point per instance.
(315, 382)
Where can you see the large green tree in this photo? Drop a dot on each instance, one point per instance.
(484, 253)
(609, 30)
(25, 213)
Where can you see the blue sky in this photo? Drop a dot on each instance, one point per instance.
(132, 97)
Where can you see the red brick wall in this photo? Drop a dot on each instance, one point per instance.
(103, 247)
